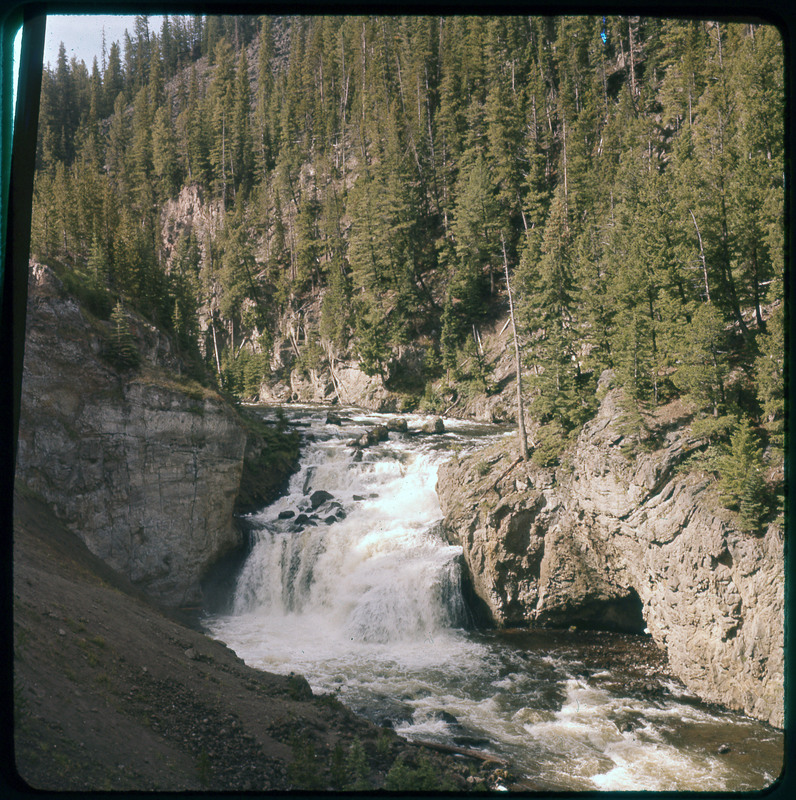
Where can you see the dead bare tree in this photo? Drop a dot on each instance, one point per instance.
(520, 412)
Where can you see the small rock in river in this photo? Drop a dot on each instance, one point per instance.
(319, 498)
(378, 434)
(724, 749)
(625, 727)
(286, 514)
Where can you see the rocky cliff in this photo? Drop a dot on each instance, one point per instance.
(145, 471)
(340, 377)
(626, 540)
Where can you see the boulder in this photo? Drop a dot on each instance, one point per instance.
(435, 425)
(319, 497)
(378, 434)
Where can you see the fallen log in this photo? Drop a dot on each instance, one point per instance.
(493, 486)
(479, 755)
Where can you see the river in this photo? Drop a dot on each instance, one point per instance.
(362, 596)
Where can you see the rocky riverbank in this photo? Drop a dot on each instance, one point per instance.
(625, 540)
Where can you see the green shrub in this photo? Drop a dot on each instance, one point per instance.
(303, 771)
(551, 440)
(338, 767)
(122, 351)
(482, 468)
(357, 767)
(422, 778)
(92, 295)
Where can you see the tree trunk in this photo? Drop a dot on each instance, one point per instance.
(702, 257)
(215, 348)
(520, 412)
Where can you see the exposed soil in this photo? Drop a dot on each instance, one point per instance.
(112, 693)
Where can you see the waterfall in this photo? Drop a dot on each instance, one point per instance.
(366, 564)
(350, 583)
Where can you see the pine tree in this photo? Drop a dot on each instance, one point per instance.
(123, 350)
(476, 229)
(371, 340)
(336, 306)
(112, 80)
(770, 376)
(264, 131)
(220, 102)
(165, 162)
(741, 481)
(547, 309)
(192, 134)
(702, 368)
(140, 151)
(241, 137)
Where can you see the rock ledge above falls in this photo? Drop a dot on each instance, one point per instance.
(611, 536)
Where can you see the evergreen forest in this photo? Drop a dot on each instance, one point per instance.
(627, 173)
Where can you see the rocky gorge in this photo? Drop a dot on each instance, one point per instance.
(148, 468)
(622, 538)
(126, 486)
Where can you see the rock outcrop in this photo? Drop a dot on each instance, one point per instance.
(145, 472)
(627, 541)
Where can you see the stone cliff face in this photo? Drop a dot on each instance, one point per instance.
(341, 379)
(627, 542)
(144, 473)
(346, 384)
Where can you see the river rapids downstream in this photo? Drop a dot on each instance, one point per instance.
(350, 584)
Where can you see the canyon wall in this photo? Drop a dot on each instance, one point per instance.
(628, 541)
(143, 469)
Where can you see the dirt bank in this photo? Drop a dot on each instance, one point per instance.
(110, 693)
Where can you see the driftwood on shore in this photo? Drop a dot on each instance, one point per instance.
(479, 755)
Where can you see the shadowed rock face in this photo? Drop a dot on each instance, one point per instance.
(615, 536)
(145, 474)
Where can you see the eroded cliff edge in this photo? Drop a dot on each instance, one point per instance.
(628, 542)
(144, 468)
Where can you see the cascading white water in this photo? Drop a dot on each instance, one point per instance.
(364, 580)
(362, 596)
(370, 565)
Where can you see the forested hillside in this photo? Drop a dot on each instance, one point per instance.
(629, 172)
